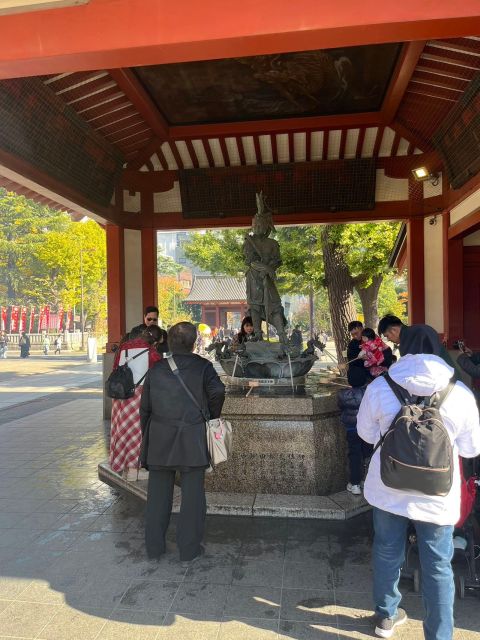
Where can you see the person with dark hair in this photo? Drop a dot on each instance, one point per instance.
(24, 344)
(349, 401)
(417, 338)
(162, 342)
(125, 435)
(355, 329)
(245, 334)
(174, 439)
(150, 317)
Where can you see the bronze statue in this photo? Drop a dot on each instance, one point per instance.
(262, 256)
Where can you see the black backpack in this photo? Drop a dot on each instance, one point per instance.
(416, 452)
(120, 384)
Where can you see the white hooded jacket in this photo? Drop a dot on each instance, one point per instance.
(421, 375)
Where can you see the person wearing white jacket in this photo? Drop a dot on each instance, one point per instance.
(434, 517)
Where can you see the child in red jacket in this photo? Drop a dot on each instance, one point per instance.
(377, 355)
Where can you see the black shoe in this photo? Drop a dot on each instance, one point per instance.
(155, 555)
(189, 558)
(386, 626)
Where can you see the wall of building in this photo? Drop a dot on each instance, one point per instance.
(465, 208)
(433, 254)
(473, 240)
(133, 278)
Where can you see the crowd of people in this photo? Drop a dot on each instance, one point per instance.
(160, 429)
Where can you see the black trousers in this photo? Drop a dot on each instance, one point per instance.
(191, 519)
(358, 452)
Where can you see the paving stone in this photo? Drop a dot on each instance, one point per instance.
(251, 628)
(149, 595)
(308, 631)
(308, 575)
(249, 602)
(26, 622)
(132, 625)
(308, 605)
(200, 599)
(191, 627)
(258, 573)
(71, 624)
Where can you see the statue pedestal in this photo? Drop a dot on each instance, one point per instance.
(283, 444)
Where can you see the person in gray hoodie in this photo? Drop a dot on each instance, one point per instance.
(434, 517)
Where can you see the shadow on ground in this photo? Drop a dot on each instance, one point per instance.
(73, 564)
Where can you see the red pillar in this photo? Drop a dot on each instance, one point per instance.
(115, 283)
(217, 316)
(454, 298)
(149, 267)
(416, 271)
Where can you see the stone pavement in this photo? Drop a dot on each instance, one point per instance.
(72, 563)
(26, 379)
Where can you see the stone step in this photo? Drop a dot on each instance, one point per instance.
(337, 506)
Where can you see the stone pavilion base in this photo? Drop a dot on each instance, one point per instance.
(283, 444)
(337, 506)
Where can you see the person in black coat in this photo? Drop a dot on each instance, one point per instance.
(174, 438)
(349, 401)
(354, 347)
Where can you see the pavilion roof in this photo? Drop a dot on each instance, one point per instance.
(217, 289)
(274, 115)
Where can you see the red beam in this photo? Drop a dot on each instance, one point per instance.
(360, 139)
(280, 125)
(208, 152)
(416, 271)
(403, 72)
(124, 33)
(133, 89)
(241, 151)
(343, 142)
(149, 267)
(192, 153)
(115, 283)
(273, 139)
(224, 150)
(176, 221)
(291, 148)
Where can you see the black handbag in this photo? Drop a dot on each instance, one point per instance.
(120, 384)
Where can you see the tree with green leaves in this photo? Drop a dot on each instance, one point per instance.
(366, 249)
(23, 226)
(166, 266)
(44, 256)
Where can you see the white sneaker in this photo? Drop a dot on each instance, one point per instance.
(355, 489)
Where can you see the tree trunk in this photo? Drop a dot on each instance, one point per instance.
(369, 298)
(340, 293)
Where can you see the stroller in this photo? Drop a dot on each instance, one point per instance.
(466, 551)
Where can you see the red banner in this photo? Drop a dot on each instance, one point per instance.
(23, 320)
(43, 319)
(14, 319)
(61, 318)
(31, 319)
(69, 323)
(3, 319)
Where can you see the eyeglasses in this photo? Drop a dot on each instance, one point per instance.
(151, 319)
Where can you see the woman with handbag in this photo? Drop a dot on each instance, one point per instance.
(174, 439)
(140, 353)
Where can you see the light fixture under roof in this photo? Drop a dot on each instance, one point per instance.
(422, 174)
(24, 6)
